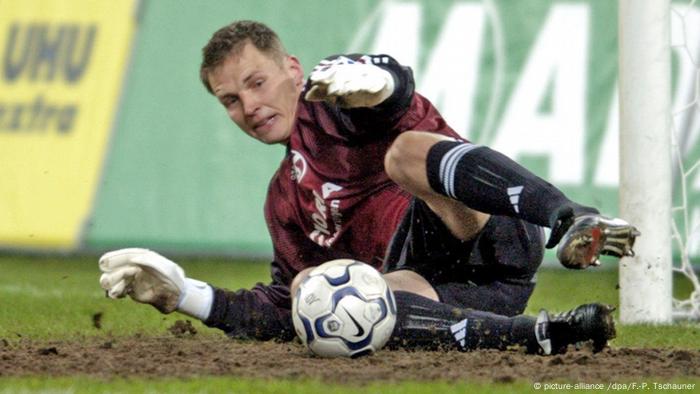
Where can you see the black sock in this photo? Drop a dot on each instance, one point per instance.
(426, 324)
(490, 182)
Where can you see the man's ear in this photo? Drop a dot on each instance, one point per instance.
(294, 66)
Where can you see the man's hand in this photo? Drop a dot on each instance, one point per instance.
(145, 276)
(349, 84)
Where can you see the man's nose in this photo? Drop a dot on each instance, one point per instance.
(251, 104)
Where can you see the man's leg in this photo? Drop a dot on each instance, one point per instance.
(423, 323)
(432, 167)
(499, 274)
(405, 163)
(493, 271)
(499, 296)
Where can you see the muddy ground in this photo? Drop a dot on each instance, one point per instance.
(182, 353)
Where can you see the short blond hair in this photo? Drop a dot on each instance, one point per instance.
(230, 40)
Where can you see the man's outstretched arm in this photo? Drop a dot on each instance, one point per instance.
(147, 277)
(259, 313)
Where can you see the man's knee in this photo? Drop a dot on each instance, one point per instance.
(399, 156)
(405, 159)
(412, 282)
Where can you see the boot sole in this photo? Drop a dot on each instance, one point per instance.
(592, 235)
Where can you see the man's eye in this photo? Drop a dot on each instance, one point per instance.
(259, 82)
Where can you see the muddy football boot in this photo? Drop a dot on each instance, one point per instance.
(591, 235)
(590, 322)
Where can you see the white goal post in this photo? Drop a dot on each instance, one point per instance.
(645, 159)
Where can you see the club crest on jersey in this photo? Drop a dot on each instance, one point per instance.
(298, 166)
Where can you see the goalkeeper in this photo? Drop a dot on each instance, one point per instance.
(373, 172)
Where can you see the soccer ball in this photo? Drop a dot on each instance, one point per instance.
(344, 309)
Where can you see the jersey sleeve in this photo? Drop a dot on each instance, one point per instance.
(385, 116)
(263, 312)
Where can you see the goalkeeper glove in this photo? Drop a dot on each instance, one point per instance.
(150, 278)
(349, 84)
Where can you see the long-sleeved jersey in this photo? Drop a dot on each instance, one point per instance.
(330, 198)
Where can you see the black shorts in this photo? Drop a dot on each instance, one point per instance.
(495, 271)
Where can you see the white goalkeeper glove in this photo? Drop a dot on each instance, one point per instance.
(349, 84)
(150, 278)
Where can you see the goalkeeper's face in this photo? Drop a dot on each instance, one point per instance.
(260, 93)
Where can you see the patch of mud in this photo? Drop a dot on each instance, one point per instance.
(184, 354)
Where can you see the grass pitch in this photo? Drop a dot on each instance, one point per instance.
(44, 298)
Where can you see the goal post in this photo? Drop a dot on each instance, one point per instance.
(645, 191)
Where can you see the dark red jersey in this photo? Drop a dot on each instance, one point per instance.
(331, 197)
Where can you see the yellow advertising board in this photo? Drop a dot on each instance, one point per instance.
(62, 64)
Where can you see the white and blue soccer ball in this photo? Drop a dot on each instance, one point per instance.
(344, 309)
